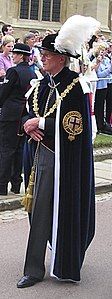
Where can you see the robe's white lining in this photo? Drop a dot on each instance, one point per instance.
(56, 185)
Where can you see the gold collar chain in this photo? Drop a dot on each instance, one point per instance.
(57, 101)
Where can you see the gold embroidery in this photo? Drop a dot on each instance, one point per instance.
(27, 199)
(72, 124)
(60, 98)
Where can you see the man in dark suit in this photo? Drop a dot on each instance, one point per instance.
(12, 103)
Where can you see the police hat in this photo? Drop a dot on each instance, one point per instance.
(21, 48)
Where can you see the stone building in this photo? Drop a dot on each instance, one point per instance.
(41, 14)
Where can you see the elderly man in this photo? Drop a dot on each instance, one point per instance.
(63, 203)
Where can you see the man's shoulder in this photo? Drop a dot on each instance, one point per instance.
(70, 73)
(66, 77)
(80, 83)
(73, 74)
(45, 80)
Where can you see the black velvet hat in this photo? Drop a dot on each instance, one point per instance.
(21, 48)
(48, 44)
(72, 36)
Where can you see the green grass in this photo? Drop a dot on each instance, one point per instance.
(103, 140)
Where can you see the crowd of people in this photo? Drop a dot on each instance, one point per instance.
(100, 62)
(49, 91)
(94, 64)
(15, 76)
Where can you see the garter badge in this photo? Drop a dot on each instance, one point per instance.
(72, 124)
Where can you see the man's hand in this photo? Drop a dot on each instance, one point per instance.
(31, 125)
(37, 135)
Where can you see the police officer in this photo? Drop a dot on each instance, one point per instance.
(12, 103)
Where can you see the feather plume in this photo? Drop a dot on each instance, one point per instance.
(74, 32)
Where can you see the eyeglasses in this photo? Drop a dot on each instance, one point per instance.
(47, 55)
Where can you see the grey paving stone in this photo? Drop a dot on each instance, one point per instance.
(103, 181)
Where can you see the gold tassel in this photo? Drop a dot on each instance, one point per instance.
(28, 197)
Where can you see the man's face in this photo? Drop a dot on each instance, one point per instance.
(10, 30)
(52, 63)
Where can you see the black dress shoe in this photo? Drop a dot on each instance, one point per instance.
(106, 129)
(27, 281)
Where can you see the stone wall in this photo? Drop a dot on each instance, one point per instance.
(97, 8)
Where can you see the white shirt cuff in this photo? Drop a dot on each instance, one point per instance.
(42, 123)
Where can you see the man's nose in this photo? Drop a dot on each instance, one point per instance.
(42, 58)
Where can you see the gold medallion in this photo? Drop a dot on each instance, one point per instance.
(72, 124)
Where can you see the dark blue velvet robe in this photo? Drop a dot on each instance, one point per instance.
(76, 219)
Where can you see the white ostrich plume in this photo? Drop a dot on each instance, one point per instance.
(74, 32)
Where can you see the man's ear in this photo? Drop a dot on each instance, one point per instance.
(62, 59)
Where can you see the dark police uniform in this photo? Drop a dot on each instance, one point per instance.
(12, 103)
